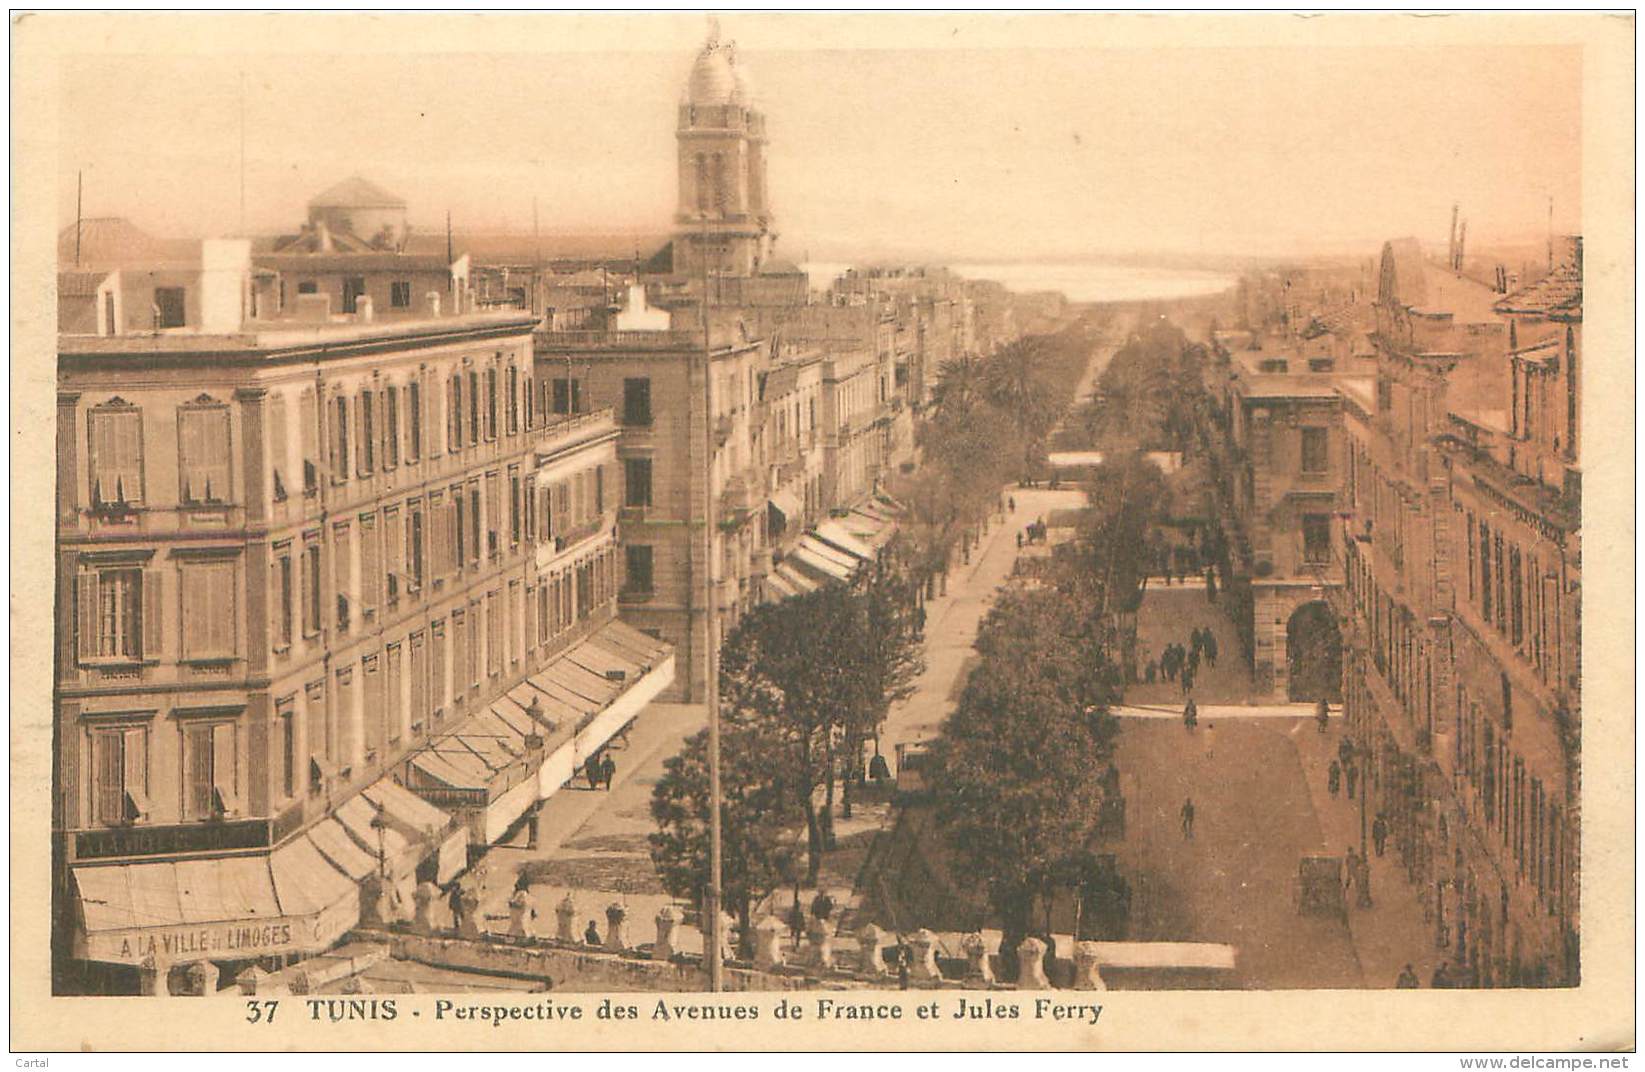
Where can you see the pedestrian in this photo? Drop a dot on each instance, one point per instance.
(591, 936)
(905, 960)
(1210, 585)
(1345, 751)
(1168, 662)
(1195, 643)
(1351, 775)
(608, 771)
(1210, 646)
(1322, 714)
(1188, 674)
(1193, 661)
(1350, 869)
(1442, 976)
(1150, 671)
(1188, 818)
(1190, 714)
(1012, 502)
(455, 902)
(1333, 777)
(591, 771)
(1407, 979)
(1379, 832)
(1019, 541)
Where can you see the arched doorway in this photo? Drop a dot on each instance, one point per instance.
(1313, 647)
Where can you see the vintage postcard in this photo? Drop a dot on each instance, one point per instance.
(800, 531)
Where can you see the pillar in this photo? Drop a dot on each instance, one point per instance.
(423, 899)
(924, 944)
(1031, 965)
(1086, 975)
(151, 978)
(820, 943)
(202, 979)
(979, 966)
(565, 919)
(615, 940)
(519, 915)
(870, 942)
(768, 943)
(469, 925)
(668, 920)
(251, 980)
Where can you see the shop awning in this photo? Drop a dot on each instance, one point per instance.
(799, 582)
(777, 588)
(788, 504)
(822, 566)
(835, 535)
(823, 549)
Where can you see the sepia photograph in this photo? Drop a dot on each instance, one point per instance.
(677, 516)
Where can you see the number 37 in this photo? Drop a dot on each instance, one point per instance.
(261, 1012)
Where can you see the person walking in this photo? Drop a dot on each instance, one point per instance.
(1012, 503)
(1187, 815)
(455, 902)
(591, 771)
(1351, 775)
(1150, 671)
(1210, 647)
(1019, 541)
(1210, 584)
(1188, 674)
(1407, 979)
(608, 771)
(1322, 714)
(1379, 832)
(1193, 661)
(1442, 976)
(1190, 714)
(1333, 777)
(1195, 643)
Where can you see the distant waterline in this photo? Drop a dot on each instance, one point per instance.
(1078, 282)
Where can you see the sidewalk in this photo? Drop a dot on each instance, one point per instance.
(1392, 932)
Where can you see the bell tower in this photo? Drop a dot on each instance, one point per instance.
(723, 223)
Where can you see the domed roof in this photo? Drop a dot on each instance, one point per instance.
(715, 77)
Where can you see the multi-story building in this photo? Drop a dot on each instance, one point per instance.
(336, 600)
(1284, 424)
(1463, 567)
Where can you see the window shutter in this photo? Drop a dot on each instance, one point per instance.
(371, 570)
(394, 551)
(85, 592)
(110, 802)
(224, 767)
(372, 713)
(134, 768)
(277, 446)
(309, 431)
(153, 639)
(129, 438)
(215, 459)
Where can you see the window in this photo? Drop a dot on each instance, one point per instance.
(637, 401)
(491, 403)
(284, 616)
(1517, 594)
(454, 414)
(309, 287)
(514, 506)
(119, 614)
(637, 482)
(309, 429)
(394, 551)
(286, 718)
(203, 453)
(210, 785)
(368, 438)
(311, 590)
(208, 610)
(169, 307)
(339, 442)
(354, 287)
(568, 395)
(474, 524)
(461, 526)
(119, 756)
(414, 548)
(116, 432)
(494, 516)
(1314, 458)
(513, 400)
(371, 565)
(599, 490)
(1321, 364)
(391, 427)
(1385, 394)
(1473, 562)
(399, 294)
(474, 409)
(638, 568)
(1316, 538)
(414, 414)
(1485, 569)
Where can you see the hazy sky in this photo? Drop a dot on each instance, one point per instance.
(964, 152)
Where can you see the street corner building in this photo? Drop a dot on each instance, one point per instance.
(335, 596)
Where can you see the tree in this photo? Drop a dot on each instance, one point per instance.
(1014, 782)
(1128, 497)
(887, 659)
(758, 808)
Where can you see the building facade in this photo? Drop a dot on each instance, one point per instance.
(335, 604)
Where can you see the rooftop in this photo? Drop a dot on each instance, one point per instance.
(263, 335)
(356, 192)
(1559, 293)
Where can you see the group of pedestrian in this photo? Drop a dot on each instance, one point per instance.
(1034, 533)
(1441, 980)
(1181, 663)
(1342, 770)
(600, 769)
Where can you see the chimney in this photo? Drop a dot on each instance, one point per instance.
(313, 308)
(433, 300)
(363, 311)
(1451, 250)
(1462, 244)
